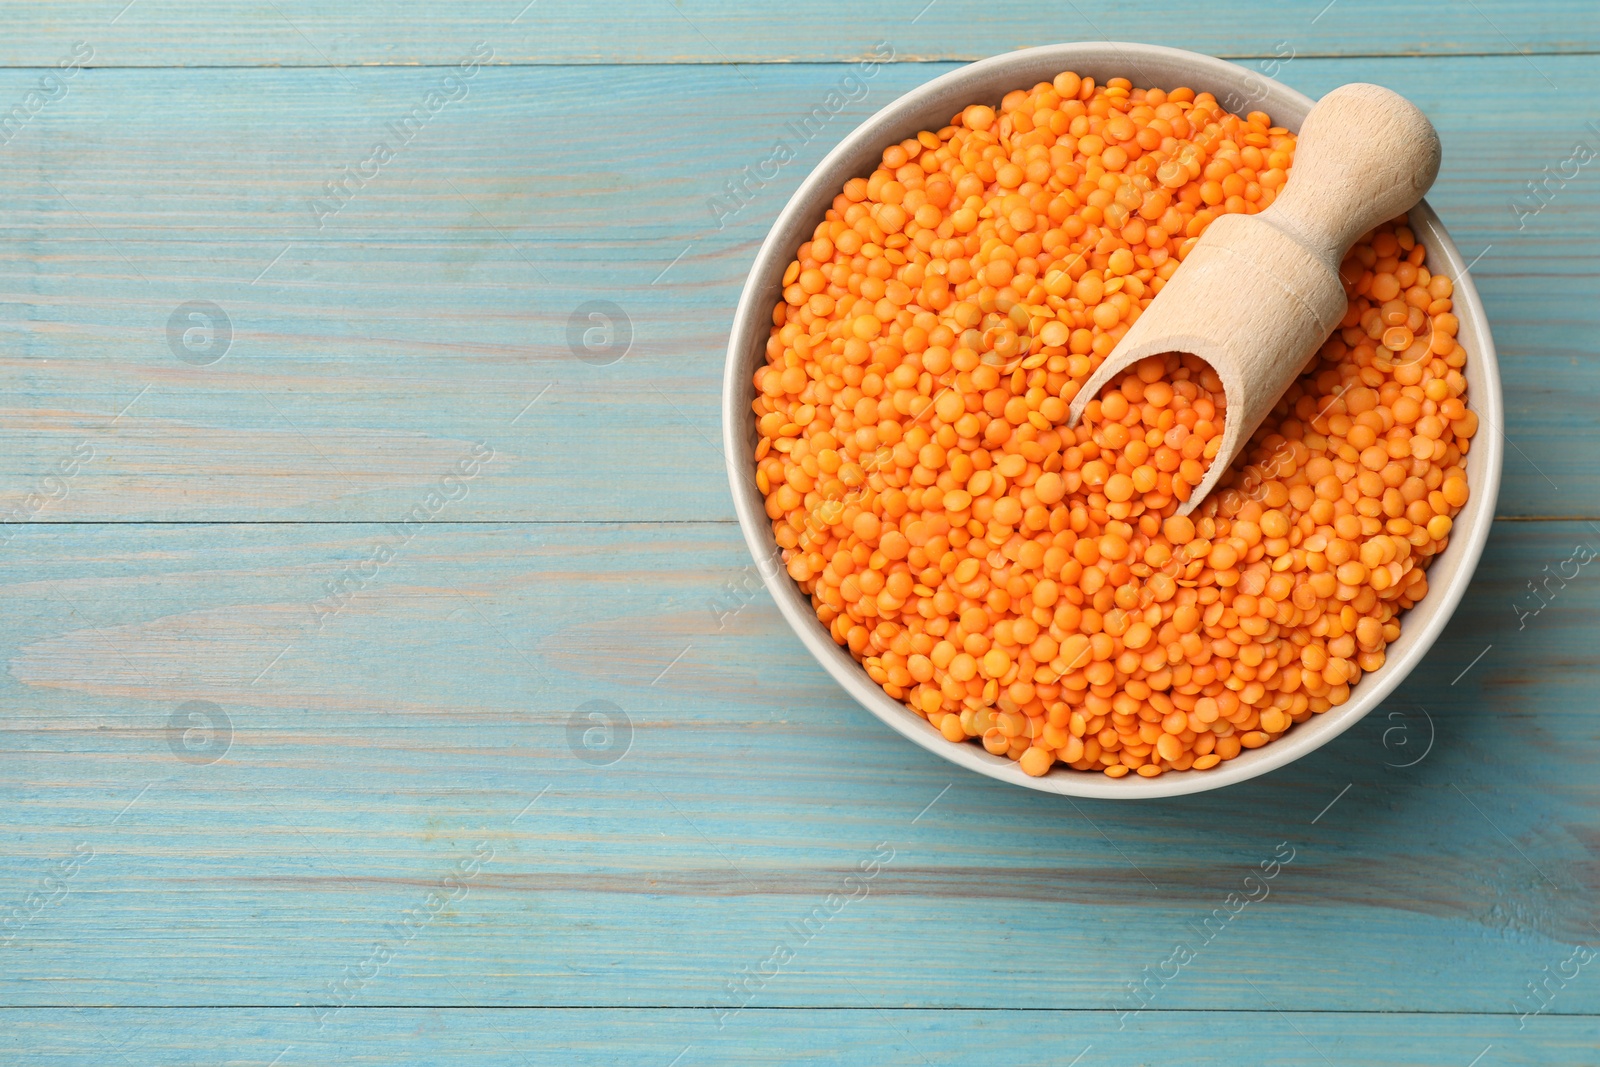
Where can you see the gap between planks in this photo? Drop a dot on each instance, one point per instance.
(792, 1007)
(787, 61)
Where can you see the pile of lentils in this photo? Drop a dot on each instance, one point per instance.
(1028, 586)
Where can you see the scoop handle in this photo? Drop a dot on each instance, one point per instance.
(1364, 154)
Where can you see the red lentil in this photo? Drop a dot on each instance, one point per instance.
(1026, 585)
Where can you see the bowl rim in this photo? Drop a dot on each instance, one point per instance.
(985, 81)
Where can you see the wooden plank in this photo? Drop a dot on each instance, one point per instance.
(1443, 850)
(427, 314)
(306, 33)
(653, 1037)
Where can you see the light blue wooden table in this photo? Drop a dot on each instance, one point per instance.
(539, 776)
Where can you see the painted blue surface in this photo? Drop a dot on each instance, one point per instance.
(538, 786)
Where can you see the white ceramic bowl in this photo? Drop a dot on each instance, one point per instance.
(930, 107)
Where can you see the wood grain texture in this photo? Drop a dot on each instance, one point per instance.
(287, 782)
(430, 310)
(363, 761)
(309, 33)
(864, 1037)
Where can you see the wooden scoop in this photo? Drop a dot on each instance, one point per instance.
(1257, 295)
